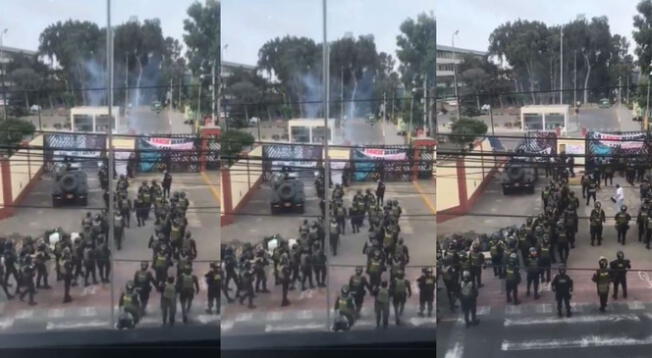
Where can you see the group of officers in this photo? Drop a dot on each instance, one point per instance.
(532, 246)
(86, 254)
(297, 261)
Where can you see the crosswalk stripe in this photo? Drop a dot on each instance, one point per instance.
(274, 316)
(635, 305)
(483, 310)
(247, 316)
(226, 325)
(513, 309)
(6, 323)
(544, 308)
(304, 314)
(456, 352)
(296, 327)
(582, 342)
(23, 314)
(509, 322)
(88, 311)
(56, 313)
(73, 325)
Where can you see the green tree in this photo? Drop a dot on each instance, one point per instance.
(13, 131)
(417, 53)
(465, 130)
(232, 143)
(643, 34)
(27, 80)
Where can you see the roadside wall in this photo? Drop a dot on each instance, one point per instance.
(238, 183)
(18, 174)
(461, 181)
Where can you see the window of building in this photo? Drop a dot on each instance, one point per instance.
(533, 121)
(554, 120)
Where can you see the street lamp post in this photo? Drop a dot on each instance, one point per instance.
(647, 105)
(457, 98)
(4, 70)
(201, 77)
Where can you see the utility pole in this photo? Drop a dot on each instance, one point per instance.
(327, 169)
(4, 74)
(213, 102)
(575, 78)
(126, 82)
(627, 92)
(425, 102)
(457, 97)
(198, 116)
(109, 80)
(384, 118)
(620, 101)
(561, 65)
(341, 95)
(409, 133)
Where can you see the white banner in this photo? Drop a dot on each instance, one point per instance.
(169, 143)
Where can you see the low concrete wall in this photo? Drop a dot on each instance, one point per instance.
(18, 174)
(238, 183)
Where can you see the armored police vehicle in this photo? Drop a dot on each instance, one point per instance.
(287, 193)
(70, 185)
(520, 174)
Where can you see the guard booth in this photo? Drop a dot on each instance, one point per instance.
(95, 119)
(545, 118)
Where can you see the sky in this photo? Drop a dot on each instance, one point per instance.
(248, 24)
(486, 15)
(26, 19)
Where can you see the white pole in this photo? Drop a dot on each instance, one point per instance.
(457, 98)
(213, 93)
(561, 65)
(4, 76)
(327, 169)
(384, 118)
(109, 72)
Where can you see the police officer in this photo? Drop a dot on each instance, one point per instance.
(246, 289)
(334, 235)
(545, 258)
(512, 279)
(41, 258)
(103, 256)
(597, 218)
(381, 304)
(622, 224)
(426, 283)
(619, 268)
(213, 280)
(161, 264)
(306, 268)
(451, 276)
(496, 250)
(169, 296)
(89, 264)
(476, 259)
(562, 242)
(188, 287)
(284, 276)
(533, 272)
(562, 286)
(319, 265)
(130, 302)
(67, 273)
(144, 281)
(27, 281)
(642, 221)
(166, 183)
(602, 278)
(359, 286)
(591, 191)
(400, 291)
(468, 299)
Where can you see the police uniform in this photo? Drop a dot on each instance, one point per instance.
(562, 286)
(169, 296)
(602, 278)
(619, 268)
(426, 283)
(512, 280)
(597, 218)
(468, 299)
(622, 225)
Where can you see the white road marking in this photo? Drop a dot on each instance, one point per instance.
(635, 305)
(247, 316)
(419, 321)
(6, 323)
(88, 311)
(456, 352)
(544, 308)
(206, 318)
(645, 277)
(56, 312)
(274, 316)
(574, 319)
(583, 342)
(226, 325)
(149, 320)
(513, 310)
(90, 290)
(297, 327)
(73, 325)
(483, 310)
(23, 314)
(305, 314)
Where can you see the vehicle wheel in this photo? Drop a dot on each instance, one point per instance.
(286, 191)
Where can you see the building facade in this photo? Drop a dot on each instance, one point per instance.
(447, 58)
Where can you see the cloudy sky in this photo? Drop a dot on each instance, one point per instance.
(26, 19)
(476, 19)
(248, 24)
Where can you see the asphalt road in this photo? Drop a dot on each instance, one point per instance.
(91, 305)
(532, 327)
(308, 311)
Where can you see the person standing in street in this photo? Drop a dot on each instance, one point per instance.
(169, 297)
(602, 278)
(619, 197)
(167, 183)
(622, 224)
(380, 192)
(619, 268)
(597, 219)
(468, 299)
(562, 286)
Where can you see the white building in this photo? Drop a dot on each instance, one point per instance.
(95, 119)
(545, 117)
